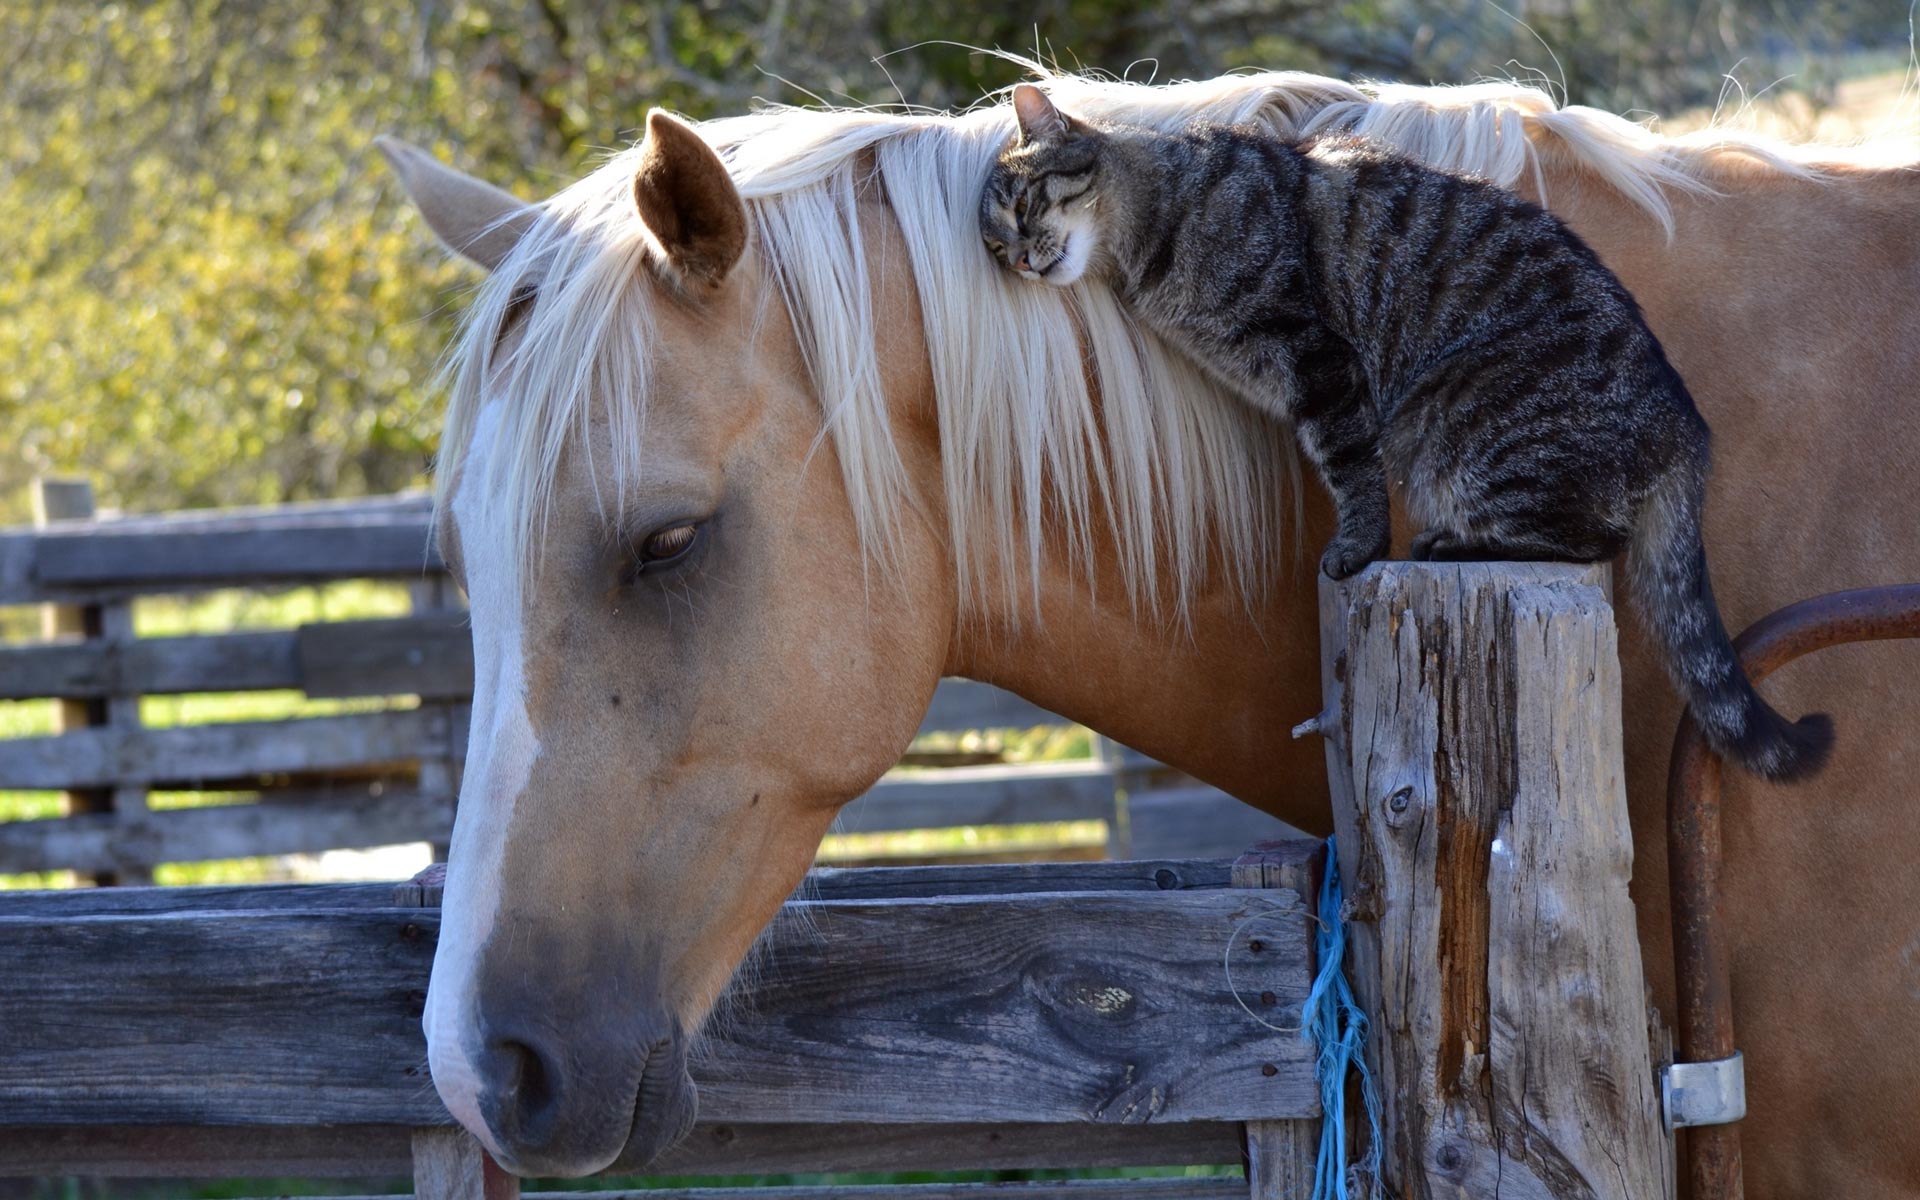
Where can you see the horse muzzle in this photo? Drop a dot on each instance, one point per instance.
(560, 1097)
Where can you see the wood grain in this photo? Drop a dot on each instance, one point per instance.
(282, 821)
(205, 1151)
(1281, 1159)
(1215, 1188)
(201, 755)
(1140, 875)
(1047, 1007)
(429, 653)
(449, 1165)
(358, 1151)
(60, 503)
(1096, 1007)
(237, 662)
(1483, 836)
(291, 550)
(991, 795)
(1282, 1156)
(1197, 822)
(829, 883)
(305, 1018)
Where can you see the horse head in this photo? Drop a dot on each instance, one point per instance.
(683, 663)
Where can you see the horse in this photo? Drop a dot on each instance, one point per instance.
(748, 443)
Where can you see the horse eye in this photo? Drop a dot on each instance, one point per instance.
(662, 548)
(669, 544)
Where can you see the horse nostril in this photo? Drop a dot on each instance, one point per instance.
(528, 1093)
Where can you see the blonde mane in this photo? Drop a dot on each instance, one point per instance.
(1061, 420)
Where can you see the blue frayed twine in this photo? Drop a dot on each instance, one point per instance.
(1332, 1020)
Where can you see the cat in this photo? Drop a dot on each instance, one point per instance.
(1415, 325)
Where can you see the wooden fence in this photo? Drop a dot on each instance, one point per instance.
(275, 1030)
(374, 778)
(1472, 717)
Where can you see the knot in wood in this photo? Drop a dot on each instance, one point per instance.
(1397, 803)
(1361, 904)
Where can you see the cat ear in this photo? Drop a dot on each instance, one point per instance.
(1038, 118)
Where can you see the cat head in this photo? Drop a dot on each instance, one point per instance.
(1037, 213)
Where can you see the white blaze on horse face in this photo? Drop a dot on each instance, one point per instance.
(501, 751)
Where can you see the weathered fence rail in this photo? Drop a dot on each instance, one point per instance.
(1058, 1015)
(363, 779)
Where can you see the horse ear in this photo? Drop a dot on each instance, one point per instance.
(688, 201)
(476, 220)
(1038, 118)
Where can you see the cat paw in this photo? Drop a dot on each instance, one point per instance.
(1430, 542)
(1345, 557)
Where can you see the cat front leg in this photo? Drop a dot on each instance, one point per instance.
(1340, 434)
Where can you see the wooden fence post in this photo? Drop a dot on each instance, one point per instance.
(56, 500)
(439, 779)
(448, 1162)
(1474, 752)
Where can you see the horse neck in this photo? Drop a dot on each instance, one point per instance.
(1213, 695)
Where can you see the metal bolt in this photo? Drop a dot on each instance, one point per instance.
(1269, 999)
(1165, 879)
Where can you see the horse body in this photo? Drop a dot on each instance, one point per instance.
(1792, 308)
(646, 841)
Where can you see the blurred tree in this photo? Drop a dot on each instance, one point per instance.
(213, 292)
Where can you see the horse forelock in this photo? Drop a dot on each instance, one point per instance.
(1062, 421)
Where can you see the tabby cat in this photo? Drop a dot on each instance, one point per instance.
(1412, 325)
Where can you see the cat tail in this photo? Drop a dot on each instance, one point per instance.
(1668, 565)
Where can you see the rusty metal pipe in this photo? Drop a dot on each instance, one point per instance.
(1703, 974)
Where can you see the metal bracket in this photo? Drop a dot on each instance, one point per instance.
(1705, 1093)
